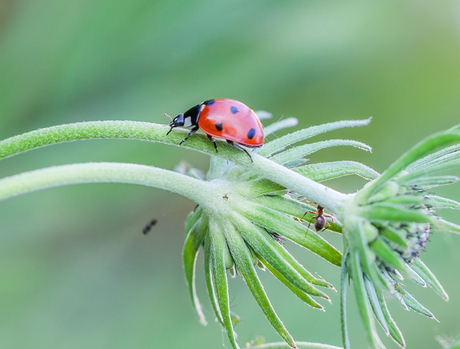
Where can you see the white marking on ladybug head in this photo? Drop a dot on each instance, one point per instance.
(188, 121)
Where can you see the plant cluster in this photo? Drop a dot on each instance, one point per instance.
(246, 208)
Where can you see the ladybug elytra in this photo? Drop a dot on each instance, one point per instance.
(223, 118)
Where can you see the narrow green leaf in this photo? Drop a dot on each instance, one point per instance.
(293, 262)
(279, 125)
(283, 204)
(407, 200)
(192, 244)
(367, 256)
(255, 261)
(292, 230)
(437, 202)
(426, 146)
(390, 257)
(299, 293)
(300, 151)
(387, 212)
(208, 278)
(295, 163)
(451, 153)
(429, 170)
(192, 218)
(288, 205)
(245, 268)
(412, 303)
(394, 235)
(379, 281)
(260, 187)
(388, 190)
(343, 301)
(428, 182)
(263, 245)
(362, 300)
(395, 333)
(329, 170)
(445, 226)
(426, 274)
(219, 279)
(304, 134)
(375, 305)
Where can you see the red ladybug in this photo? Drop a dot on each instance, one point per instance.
(223, 118)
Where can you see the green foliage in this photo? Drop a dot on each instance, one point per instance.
(388, 226)
(76, 271)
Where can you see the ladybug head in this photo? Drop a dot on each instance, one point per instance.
(177, 121)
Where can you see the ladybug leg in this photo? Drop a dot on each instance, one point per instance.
(240, 147)
(214, 141)
(192, 131)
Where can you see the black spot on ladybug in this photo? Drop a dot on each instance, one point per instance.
(219, 126)
(251, 133)
(210, 102)
(234, 110)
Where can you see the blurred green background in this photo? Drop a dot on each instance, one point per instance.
(75, 269)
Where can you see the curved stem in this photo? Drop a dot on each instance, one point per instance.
(104, 172)
(141, 131)
(314, 191)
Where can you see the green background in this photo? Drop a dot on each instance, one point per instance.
(75, 269)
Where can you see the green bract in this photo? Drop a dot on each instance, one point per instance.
(240, 231)
(386, 226)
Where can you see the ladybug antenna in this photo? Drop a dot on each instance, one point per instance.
(170, 123)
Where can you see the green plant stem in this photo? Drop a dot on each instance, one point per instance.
(104, 172)
(134, 130)
(316, 192)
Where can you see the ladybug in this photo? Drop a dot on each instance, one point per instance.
(223, 118)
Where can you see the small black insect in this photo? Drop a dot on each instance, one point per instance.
(149, 226)
(320, 218)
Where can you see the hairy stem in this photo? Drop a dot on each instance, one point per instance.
(104, 172)
(144, 131)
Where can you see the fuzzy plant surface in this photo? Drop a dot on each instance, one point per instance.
(245, 209)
